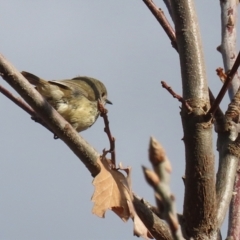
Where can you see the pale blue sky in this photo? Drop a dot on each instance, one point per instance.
(45, 189)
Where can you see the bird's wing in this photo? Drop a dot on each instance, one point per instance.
(74, 88)
(88, 86)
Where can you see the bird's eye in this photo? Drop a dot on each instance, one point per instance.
(103, 94)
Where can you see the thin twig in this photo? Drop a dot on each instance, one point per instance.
(225, 86)
(103, 113)
(169, 7)
(219, 118)
(19, 102)
(175, 95)
(161, 18)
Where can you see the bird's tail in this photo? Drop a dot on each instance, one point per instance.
(33, 79)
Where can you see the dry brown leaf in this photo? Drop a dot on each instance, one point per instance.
(110, 191)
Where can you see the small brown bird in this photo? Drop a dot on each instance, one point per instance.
(75, 99)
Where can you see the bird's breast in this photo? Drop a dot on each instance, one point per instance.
(81, 114)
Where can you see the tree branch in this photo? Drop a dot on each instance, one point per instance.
(175, 95)
(19, 102)
(228, 144)
(60, 126)
(219, 117)
(229, 151)
(157, 227)
(228, 162)
(169, 7)
(76, 143)
(227, 147)
(229, 11)
(159, 15)
(234, 214)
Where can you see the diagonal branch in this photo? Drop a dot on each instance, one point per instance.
(219, 116)
(19, 102)
(76, 143)
(169, 7)
(50, 116)
(159, 15)
(158, 228)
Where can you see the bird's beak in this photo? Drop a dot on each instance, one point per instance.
(108, 102)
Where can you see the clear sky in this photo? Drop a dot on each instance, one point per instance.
(45, 189)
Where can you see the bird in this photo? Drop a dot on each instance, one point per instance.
(75, 99)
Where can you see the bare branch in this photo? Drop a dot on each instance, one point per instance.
(151, 207)
(169, 7)
(159, 15)
(80, 147)
(229, 153)
(227, 145)
(60, 126)
(219, 117)
(230, 149)
(157, 227)
(228, 162)
(18, 101)
(175, 95)
(103, 113)
(234, 214)
(229, 12)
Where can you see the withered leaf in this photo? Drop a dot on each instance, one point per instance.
(110, 191)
